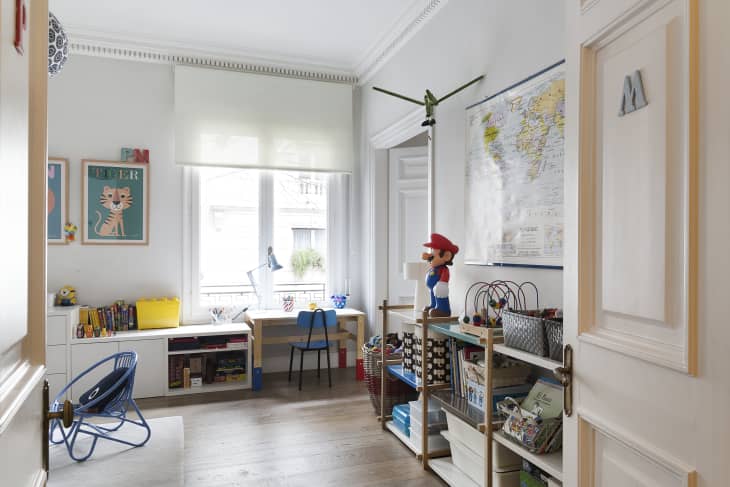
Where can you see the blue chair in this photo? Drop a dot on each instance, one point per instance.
(113, 403)
(311, 320)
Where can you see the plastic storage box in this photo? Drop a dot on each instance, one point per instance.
(401, 418)
(503, 459)
(435, 414)
(435, 441)
(158, 313)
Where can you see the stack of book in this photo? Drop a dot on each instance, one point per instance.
(182, 343)
(509, 378)
(107, 320)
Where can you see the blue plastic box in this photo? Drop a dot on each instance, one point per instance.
(402, 417)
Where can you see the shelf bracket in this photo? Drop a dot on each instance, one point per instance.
(564, 375)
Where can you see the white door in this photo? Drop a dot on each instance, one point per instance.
(407, 217)
(650, 352)
(23, 84)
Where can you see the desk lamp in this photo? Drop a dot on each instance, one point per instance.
(271, 263)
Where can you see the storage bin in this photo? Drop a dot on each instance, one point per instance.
(408, 351)
(471, 464)
(435, 414)
(396, 391)
(438, 367)
(401, 424)
(435, 442)
(503, 459)
(554, 334)
(158, 313)
(402, 413)
(433, 428)
(525, 330)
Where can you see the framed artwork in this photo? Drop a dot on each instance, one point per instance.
(57, 199)
(115, 203)
(514, 174)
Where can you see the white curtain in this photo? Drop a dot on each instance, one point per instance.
(338, 235)
(228, 118)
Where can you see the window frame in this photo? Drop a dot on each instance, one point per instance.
(192, 311)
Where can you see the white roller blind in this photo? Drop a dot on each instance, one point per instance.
(227, 118)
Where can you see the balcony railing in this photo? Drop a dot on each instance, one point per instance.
(244, 295)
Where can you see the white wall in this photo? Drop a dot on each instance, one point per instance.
(97, 106)
(507, 41)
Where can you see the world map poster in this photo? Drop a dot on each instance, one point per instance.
(514, 174)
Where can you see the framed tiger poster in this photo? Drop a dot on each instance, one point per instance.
(57, 199)
(115, 202)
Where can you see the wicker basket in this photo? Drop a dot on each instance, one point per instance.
(525, 330)
(396, 391)
(554, 334)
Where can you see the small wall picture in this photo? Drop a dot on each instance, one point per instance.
(57, 199)
(115, 206)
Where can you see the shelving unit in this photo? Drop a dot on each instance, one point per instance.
(530, 358)
(458, 406)
(551, 463)
(221, 330)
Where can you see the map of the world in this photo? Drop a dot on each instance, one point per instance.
(514, 174)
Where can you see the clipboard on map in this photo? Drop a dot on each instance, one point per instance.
(514, 174)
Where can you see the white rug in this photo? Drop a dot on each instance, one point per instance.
(159, 463)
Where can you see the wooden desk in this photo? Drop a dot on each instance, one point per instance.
(258, 320)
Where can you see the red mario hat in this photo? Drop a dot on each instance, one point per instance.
(439, 242)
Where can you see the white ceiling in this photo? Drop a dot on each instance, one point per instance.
(337, 34)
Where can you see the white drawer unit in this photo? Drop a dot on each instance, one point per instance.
(68, 356)
(56, 359)
(150, 380)
(61, 322)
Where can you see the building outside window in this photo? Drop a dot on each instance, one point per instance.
(237, 214)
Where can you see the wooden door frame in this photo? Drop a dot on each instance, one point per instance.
(21, 388)
(375, 179)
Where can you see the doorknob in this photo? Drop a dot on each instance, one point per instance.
(564, 375)
(66, 415)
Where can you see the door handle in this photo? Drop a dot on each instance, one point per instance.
(564, 375)
(66, 415)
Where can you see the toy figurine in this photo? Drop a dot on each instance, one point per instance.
(66, 296)
(437, 280)
(69, 230)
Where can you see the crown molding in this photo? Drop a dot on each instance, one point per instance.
(117, 46)
(405, 128)
(155, 52)
(407, 26)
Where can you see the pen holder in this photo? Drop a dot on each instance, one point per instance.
(287, 303)
(339, 301)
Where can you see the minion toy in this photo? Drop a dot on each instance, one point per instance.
(66, 296)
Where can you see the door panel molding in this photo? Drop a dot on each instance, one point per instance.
(601, 443)
(16, 389)
(638, 187)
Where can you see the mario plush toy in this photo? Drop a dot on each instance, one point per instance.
(437, 280)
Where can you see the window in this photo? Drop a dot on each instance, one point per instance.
(236, 215)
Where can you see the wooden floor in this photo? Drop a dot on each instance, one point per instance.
(282, 437)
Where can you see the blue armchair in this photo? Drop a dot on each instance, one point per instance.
(111, 398)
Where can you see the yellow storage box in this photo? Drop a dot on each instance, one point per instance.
(158, 313)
